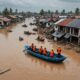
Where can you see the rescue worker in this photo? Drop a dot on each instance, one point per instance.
(41, 50)
(52, 53)
(45, 51)
(32, 45)
(59, 50)
(34, 49)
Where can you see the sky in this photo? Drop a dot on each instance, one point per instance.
(37, 5)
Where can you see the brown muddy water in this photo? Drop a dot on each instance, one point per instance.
(26, 67)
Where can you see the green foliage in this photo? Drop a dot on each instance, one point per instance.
(11, 11)
(6, 12)
(77, 11)
(56, 12)
(42, 12)
(63, 12)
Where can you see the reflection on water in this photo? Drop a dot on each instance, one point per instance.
(45, 64)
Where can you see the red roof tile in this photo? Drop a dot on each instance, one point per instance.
(5, 19)
(65, 22)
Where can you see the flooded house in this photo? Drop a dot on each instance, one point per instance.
(4, 21)
(19, 18)
(13, 18)
(69, 30)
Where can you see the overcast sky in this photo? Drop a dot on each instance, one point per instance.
(36, 5)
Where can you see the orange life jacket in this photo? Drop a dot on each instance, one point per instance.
(59, 50)
(40, 50)
(51, 53)
(44, 51)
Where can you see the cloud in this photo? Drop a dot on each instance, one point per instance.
(70, 0)
(36, 5)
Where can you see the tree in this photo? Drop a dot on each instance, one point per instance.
(63, 12)
(0, 13)
(56, 12)
(77, 11)
(11, 11)
(5, 12)
(42, 12)
(70, 12)
(49, 11)
(16, 11)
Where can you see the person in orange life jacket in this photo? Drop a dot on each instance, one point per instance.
(44, 51)
(52, 53)
(41, 50)
(59, 50)
(32, 45)
(34, 49)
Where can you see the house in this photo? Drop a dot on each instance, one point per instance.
(4, 21)
(63, 16)
(13, 18)
(19, 18)
(69, 29)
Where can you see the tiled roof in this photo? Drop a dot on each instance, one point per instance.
(5, 19)
(65, 22)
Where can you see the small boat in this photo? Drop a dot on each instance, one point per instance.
(35, 29)
(24, 25)
(9, 30)
(20, 39)
(55, 59)
(40, 39)
(32, 23)
(27, 33)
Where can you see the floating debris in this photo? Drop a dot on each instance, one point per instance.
(24, 25)
(40, 38)
(35, 29)
(9, 30)
(21, 39)
(29, 33)
(4, 71)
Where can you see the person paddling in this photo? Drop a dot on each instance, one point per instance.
(52, 53)
(59, 50)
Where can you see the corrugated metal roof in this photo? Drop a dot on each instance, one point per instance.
(65, 22)
(59, 21)
(75, 23)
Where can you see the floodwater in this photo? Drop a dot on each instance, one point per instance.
(26, 67)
